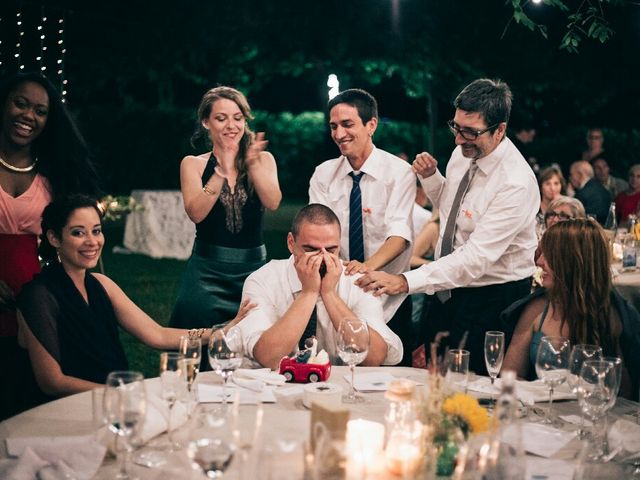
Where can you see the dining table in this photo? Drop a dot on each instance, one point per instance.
(289, 418)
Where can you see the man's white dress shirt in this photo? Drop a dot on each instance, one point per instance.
(495, 236)
(388, 194)
(273, 288)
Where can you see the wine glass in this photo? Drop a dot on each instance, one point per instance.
(493, 356)
(596, 388)
(191, 350)
(173, 385)
(580, 353)
(210, 447)
(617, 367)
(458, 368)
(225, 355)
(247, 429)
(124, 409)
(353, 347)
(552, 367)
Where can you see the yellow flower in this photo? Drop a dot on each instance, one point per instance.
(467, 410)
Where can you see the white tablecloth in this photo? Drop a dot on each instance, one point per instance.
(286, 418)
(162, 229)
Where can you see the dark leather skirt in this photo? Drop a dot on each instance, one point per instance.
(212, 284)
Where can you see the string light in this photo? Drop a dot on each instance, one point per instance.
(43, 47)
(60, 63)
(18, 54)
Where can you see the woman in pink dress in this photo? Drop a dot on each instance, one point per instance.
(42, 155)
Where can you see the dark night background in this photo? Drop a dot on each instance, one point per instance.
(137, 70)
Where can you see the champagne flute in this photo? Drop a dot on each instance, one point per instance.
(225, 355)
(493, 356)
(596, 388)
(191, 350)
(124, 408)
(579, 354)
(173, 385)
(353, 347)
(552, 367)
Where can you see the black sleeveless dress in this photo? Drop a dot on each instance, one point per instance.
(229, 247)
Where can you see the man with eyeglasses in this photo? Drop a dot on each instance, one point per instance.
(488, 203)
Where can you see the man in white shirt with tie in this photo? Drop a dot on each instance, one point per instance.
(308, 295)
(488, 203)
(372, 192)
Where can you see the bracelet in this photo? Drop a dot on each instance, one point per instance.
(196, 332)
(208, 191)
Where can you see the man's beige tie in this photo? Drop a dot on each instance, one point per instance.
(450, 230)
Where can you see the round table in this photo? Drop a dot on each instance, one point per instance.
(73, 416)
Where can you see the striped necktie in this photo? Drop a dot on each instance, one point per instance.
(450, 230)
(356, 242)
(309, 330)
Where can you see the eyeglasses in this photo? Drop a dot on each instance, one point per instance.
(559, 215)
(467, 133)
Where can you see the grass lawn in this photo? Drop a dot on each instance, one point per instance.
(153, 284)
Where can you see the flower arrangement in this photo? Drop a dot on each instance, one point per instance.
(113, 207)
(452, 417)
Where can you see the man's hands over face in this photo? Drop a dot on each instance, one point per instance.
(308, 268)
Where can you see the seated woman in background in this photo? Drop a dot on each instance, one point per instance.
(552, 185)
(627, 202)
(577, 302)
(69, 317)
(562, 208)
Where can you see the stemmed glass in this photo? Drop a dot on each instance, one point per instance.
(552, 367)
(173, 384)
(210, 446)
(579, 354)
(493, 356)
(225, 355)
(353, 347)
(191, 350)
(617, 367)
(124, 409)
(596, 388)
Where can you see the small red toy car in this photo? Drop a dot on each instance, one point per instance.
(297, 372)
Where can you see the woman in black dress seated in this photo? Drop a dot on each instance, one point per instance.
(69, 317)
(225, 192)
(578, 302)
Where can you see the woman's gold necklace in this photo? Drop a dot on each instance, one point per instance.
(8, 166)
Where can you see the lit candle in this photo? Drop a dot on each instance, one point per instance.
(365, 442)
(404, 453)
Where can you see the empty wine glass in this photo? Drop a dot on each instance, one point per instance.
(353, 347)
(191, 350)
(596, 387)
(173, 385)
(579, 354)
(211, 447)
(124, 409)
(552, 367)
(458, 368)
(493, 356)
(225, 355)
(617, 367)
(247, 428)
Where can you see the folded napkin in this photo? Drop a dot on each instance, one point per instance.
(50, 458)
(371, 381)
(539, 439)
(262, 374)
(156, 420)
(528, 392)
(625, 434)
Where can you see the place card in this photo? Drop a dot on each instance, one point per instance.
(371, 381)
(214, 394)
(539, 439)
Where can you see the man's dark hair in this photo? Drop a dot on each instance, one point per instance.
(490, 98)
(363, 102)
(316, 214)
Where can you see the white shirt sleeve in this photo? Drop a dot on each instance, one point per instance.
(399, 212)
(317, 191)
(493, 235)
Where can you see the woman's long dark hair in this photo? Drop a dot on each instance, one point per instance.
(63, 156)
(56, 215)
(578, 254)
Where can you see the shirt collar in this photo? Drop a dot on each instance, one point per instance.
(292, 274)
(373, 165)
(487, 164)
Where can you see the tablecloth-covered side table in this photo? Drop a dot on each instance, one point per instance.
(162, 229)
